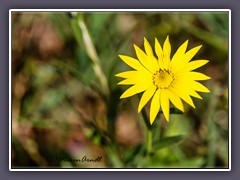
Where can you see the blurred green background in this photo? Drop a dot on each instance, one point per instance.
(65, 98)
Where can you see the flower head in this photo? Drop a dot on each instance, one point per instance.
(164, 79)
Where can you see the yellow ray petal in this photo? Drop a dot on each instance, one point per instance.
(183, 95)
(177, 57)
(149, 63)
(185, 86)
(151, 57)
(167, 47)
(191, 92)
(184, 61)
(134, 63)
(155, 106)
(194, 65)
(199, 87)
(186, 76)
(129, 74)
(166, 53)
(126, 74)
(198, 76)
(135, 89)
(146, 97)
(191, 53)
(135, 80)
(176, 101)
(159, 52)
(148, 48)
(165, 103)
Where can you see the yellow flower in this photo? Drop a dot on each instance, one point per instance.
(163, 79)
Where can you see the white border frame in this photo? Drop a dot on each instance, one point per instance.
(118, 10)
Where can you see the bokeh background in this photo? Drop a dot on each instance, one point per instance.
(65, 98)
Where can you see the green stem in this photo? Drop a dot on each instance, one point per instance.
(146, 119)
(92, 53)
(149, 132)
(149, 142)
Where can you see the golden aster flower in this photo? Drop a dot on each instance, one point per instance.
(163, 79)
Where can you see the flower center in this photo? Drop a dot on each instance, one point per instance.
(163, 79)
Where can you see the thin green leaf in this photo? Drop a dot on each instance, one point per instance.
(165, 142)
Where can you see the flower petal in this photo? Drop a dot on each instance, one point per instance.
(199, 87)
(125, 74)
(167, 47)
(194, 65)
(188, 76)
(176, 101)
(135, 89)
(158, 49)
(177, 57)
(191, 53)
(135, 80)
(198, 76)
(134, 63)
(183, 95)
(165, 103)
(129, 74)
(146, 97)
(185, 85)
(148, 48)
(159, 52)
(155, 106)
(166, 53)
(149, 63)
(183, 62)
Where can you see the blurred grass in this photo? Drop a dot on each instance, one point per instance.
(65, 101)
